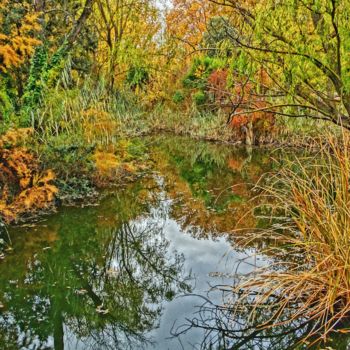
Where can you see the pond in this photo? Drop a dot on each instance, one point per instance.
(139, 270)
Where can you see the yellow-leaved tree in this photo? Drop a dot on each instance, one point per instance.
(127, 32)
(17, 40)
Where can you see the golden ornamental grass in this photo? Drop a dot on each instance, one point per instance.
(311, 201)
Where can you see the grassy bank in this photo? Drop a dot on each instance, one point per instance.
(79, 143)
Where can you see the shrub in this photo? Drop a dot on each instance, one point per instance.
(6, 107)
(199, 98)
(200, 71)
(24, 187)
(137, 77)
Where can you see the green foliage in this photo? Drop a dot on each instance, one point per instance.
(199, 98)
(304, 50)
(44, 74)
(76, 189)
(178, 97)
(216, 37)
(137, 77)
(55, 66)
(136, 149)
(197, 78)
(6, 106)
(200, 70)
(34, 88)
(69, 155)
(242, 64)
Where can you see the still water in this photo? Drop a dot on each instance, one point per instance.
(139, 270)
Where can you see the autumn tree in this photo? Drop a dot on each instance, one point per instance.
(19, 25)
(303, 47)
(187, 21)
(126, 31)
(16, 37)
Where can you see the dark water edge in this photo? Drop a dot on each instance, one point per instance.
(140, 267)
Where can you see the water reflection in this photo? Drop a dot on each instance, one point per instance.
(100, 285)
(213, 182)
(226, 329)
(115, 276)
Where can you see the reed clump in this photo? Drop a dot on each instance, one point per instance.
(309, 276)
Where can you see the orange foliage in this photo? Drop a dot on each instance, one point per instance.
(24, 188)
(107, 166)
(15, 137)
(235, 164)
(111, 162)
(217, 84)
(254, 117)
(188, 19)
(252, 103)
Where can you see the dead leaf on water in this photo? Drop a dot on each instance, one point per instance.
(112, 272)
(101, 310)
(81, 291)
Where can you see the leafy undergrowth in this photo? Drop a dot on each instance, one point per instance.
(34, 179)
(122, 160)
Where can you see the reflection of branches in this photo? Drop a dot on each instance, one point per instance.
(133, 280)
(225, 328)
(156, 262)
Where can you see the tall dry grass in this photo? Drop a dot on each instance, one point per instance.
(309, 278)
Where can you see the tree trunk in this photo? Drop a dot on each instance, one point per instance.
(73, 35)
(249, 135)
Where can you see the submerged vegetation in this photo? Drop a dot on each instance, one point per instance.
(82, 83)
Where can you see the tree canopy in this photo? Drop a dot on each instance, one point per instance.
(303, 46)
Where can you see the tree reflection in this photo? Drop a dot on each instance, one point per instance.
(226, 329)
(232, 320)
(5, 240)
(99, 286)
(211, 183)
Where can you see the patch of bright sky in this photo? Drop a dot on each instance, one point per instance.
(164, 4)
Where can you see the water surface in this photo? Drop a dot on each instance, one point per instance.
(133, 271)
